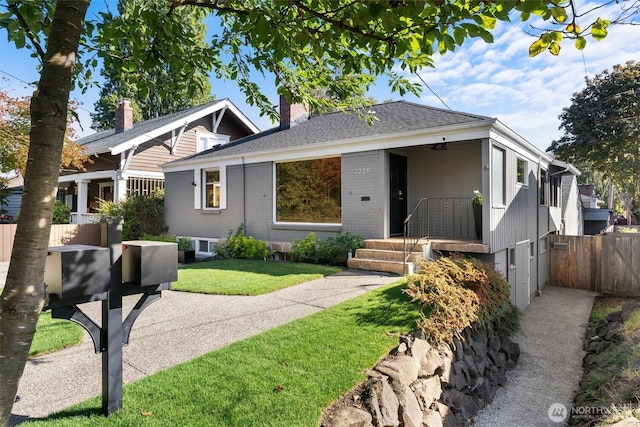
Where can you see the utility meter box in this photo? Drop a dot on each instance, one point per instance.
(77, 271)
(147, 263)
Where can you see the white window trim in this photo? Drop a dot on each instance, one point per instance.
(494, 203)
(274, 212)
(197, 183)
(525, 176)
(222, 184)
(212, 138)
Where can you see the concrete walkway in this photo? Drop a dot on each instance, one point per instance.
(182, 326)
(177, 328)
(550, 365)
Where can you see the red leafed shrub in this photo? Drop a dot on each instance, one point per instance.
(457, 292)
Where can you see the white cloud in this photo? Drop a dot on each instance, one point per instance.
(527, 94)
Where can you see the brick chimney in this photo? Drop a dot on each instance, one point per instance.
(124, 116)
(292, 114)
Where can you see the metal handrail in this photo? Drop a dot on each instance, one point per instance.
(412, 238)
(446, 217)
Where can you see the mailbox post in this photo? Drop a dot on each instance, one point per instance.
(79, 274)
(111, 235)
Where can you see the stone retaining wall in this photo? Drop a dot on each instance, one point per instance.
(420, 385)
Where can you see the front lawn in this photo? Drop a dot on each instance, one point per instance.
(245, 277)
(284, 377)
(54, 334)
(227, 277)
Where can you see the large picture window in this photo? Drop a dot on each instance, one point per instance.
(309, 191)
(212, 189)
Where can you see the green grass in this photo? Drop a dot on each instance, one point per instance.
(54, 334)
(602, 307)
(284, 377)
(245, 277)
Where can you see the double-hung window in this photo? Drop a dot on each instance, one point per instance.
(212, 189)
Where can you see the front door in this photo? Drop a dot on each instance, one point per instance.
(398, 196)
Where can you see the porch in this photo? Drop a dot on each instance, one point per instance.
(443, 224)
(83, 193)
(396, 256)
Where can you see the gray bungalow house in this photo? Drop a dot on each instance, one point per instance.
(410, 176)
(126, 160)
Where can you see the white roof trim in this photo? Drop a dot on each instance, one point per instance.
(503, 130)
(180, 122)
(428, 136)
(86, 175)
(568, 166)
(89, 176)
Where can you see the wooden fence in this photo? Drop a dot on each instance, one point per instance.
(63, 234)
(608, 263)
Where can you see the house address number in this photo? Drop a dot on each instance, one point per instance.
(362, 171)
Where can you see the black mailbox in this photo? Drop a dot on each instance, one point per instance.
(75, 271)
(147, 263)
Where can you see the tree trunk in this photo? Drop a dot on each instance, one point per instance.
(24, 293)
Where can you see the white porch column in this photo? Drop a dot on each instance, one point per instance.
(83, 195)
(119, 186)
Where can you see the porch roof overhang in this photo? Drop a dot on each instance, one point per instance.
(90, 176)
(477, 130)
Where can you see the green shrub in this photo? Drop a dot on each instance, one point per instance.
(140, 214)
(184, 243)
(61, 213)
(305, 250)
(457, 292)
(242, 247)
(332, 251)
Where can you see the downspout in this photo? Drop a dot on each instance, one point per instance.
(538, 290)
(244, 198)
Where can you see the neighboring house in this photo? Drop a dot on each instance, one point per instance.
(334, 172)
(572, 213)
(12, 206)
(596, 219)
(126, 160)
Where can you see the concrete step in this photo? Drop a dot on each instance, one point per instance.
(376, 265)
(384, 255)
(389, 245)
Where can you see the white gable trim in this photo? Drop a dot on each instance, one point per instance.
(224, 104)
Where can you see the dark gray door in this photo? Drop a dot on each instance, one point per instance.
(398, 189)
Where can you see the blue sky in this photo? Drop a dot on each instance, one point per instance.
(497, 80)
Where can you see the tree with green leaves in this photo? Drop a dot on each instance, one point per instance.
(165, 92)
(602, 127)
(301, 43)
(14, 128)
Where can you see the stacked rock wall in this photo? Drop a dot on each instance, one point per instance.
(420, 385)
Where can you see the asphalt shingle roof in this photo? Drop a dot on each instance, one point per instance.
(103, 140)
(393, 117)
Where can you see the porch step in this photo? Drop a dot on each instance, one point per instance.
(383, 255)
